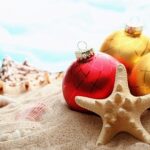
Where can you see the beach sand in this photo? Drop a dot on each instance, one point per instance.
(57, 127)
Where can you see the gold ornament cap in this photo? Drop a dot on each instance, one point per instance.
(134, 27)
(83, 53)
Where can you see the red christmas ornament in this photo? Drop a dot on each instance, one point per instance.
(91, 76)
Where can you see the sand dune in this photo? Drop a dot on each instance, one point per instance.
(57, 127)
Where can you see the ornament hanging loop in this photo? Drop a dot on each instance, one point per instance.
(82, 46)
(134, 27)
(83, 52)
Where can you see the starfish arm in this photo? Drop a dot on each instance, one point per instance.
(145, 102)
(121, 79)
(89, 104)
(106, 134)
(140, 133)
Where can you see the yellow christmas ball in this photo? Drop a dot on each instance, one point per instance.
(127, 46)
(139, 78)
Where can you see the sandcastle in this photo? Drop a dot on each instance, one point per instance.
(18, 78)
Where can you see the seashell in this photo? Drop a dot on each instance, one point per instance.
(47, 77)
(25, 86)
(33, 113)
(1, 87)
(60, 75)
(4, 101)
(41, 80)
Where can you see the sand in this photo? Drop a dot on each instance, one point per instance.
(58, 128)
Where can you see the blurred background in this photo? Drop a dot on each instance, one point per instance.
(46, 32)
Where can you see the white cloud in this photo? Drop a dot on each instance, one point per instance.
(57, 26)
(5, 37)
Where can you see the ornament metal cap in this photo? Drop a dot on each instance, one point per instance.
(134, 27)
(83, 52)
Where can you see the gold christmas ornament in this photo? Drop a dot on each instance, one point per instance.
(127, 45)
(120, 112)
(140, 77)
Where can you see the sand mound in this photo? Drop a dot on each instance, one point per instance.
(41, 120)
(16, 78)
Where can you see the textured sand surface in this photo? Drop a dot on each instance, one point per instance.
(58, 127)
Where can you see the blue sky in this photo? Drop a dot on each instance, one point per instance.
(46, 32)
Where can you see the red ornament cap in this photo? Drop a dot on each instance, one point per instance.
(83, 53)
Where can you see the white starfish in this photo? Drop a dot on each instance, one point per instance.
(121, 111)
